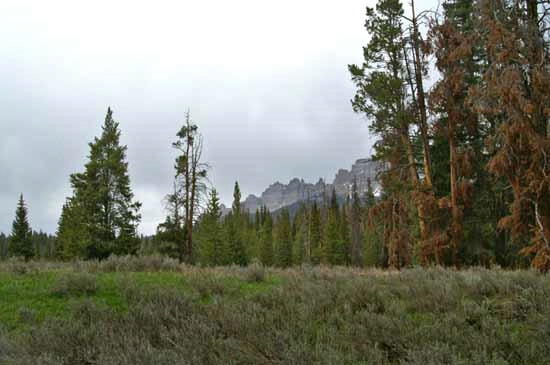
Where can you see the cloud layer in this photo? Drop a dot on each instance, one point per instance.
(266, 82)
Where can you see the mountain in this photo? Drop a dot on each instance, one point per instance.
(278, 195)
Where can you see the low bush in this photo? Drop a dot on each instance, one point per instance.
(419, 316)
(76, 284)
(255, 272)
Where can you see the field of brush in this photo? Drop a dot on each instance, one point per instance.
(154, 311)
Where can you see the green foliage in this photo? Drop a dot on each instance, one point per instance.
(266, 239)
(355, 227)
(189, 188)
(321, 316)
(3, 246)
(235, 226)
(72, 235)
(101, 218)
(212, 250)
(20, 240)
(333, 246)
(76, 284)
(167, 240)
(300, 233)
(284, 239)
(315, 234)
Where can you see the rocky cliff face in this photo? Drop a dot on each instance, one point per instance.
(278, 195)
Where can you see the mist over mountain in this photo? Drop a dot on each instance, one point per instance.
(279, 195)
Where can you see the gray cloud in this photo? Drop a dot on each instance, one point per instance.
(266, 83)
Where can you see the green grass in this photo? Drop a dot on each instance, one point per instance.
(128, 312)
(33, 292)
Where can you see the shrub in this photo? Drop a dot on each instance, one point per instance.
(76, 284)
(255, 272)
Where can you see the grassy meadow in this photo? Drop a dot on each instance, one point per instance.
(152, 310)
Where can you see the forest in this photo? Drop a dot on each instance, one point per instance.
(466, 179)
(445, 262)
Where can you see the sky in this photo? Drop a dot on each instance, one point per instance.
(266, 82)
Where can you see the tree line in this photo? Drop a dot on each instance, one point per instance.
(467, 169)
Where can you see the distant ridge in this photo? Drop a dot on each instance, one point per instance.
(279, 195)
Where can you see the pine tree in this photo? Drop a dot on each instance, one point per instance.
(332, 247)
(189, 184)
(266, 239)
(3, 246)
(315, 233)
(373, 228)
(168, 238)
(301, 235)
(72, 235)
(235, 231)
(382, 95)
(515, 90)
(455, 43)
(20, 241)
(345, 235)
(209, 235)
(284, 239)
(103, 196)
(356, 239)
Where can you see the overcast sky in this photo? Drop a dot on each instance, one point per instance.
(266, 81)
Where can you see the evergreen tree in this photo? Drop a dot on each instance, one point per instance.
(43, 244)
(189, 184)
(20, 241)
(235, 231)
(300, 234)
(168, 238)
(373, 228)
(266, 239)
(73, 237)
(209, 235)
(315, 233)
(356, 239)
(383, 96)
(103, 196)
(284, 239)
(333, 248)
(345, 235)
(454, 48)
(3, 246)
(515, 91)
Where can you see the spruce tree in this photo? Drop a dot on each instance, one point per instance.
(209, 235)
(266, 239)
(384, 97)
(3, 246)
(20, 241)
(333, 248)
(515, 90)
(315, 233)
(235, 231)
(73, 237)
(356, 239)
(345, 234)
(284, 239)
(300, 233)
(108, 214)
(373, 231)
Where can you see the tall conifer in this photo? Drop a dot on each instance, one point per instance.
(20, 241)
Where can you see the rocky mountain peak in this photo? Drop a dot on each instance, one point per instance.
(279, 195)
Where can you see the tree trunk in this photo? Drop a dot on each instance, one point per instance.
(421, 101)
(456, 212)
